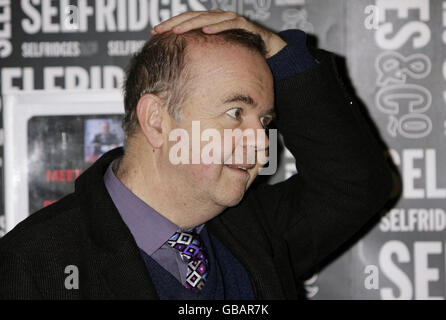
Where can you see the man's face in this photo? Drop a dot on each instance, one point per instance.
(220, 73)
(105, 128)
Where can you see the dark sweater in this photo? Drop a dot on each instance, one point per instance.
(281, 234)
(227, 279)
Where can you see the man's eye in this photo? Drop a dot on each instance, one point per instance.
(265, 121)
(234, 113)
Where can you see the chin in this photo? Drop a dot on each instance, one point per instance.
(231, 200)
(230, 190)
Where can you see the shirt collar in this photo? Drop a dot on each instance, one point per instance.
(149, 228)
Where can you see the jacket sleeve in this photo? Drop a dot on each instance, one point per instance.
(343, 176)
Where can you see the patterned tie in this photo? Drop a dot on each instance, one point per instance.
(192, 251)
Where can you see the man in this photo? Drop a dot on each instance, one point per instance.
(139, 226)
(104, 141)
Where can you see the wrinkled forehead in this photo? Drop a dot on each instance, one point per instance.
(220, 66)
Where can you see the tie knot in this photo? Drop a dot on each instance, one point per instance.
(188, 244)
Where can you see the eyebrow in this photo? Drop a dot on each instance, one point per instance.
(240, 97)
(248, 100)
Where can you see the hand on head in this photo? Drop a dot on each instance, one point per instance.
(215, 21)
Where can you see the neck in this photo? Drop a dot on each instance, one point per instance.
(140, 171)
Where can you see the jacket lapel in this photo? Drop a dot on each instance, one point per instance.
(114, 248)
(126, 275)
(254, 258)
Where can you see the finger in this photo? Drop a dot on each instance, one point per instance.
(170, 23)
(203, 20)
(236, 23)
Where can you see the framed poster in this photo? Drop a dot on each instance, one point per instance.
(50, 138)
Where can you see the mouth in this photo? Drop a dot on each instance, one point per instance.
(239, 168)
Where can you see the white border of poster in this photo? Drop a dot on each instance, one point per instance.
(18, 109)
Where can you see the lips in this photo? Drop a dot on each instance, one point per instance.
(241, 167)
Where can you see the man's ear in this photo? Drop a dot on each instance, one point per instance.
(150, 117)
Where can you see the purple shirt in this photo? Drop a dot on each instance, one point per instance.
(149, 228)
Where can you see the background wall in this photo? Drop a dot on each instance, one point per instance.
(395, 57)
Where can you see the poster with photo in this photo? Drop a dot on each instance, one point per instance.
(60, 148)
(51, 138)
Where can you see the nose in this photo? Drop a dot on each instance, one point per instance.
(254, 142)
(259, 140)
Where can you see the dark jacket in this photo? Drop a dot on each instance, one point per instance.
(281, 233)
